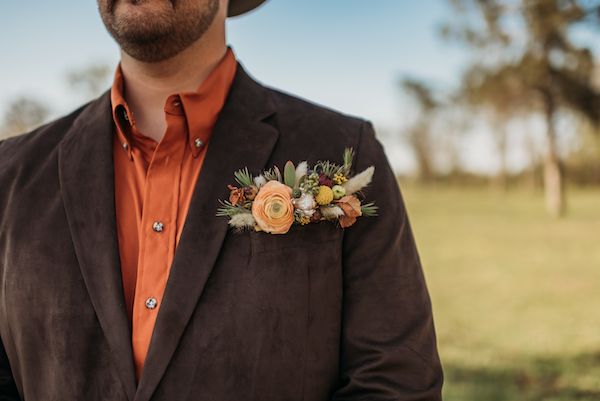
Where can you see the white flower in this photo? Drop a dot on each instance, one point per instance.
(306, 203)
(260, 180)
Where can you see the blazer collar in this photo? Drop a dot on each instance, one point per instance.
(242, 137)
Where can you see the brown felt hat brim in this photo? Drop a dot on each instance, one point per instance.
(238, 7)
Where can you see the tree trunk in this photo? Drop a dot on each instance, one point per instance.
(553, 168)
(534, 179)
(419, 140)
(554, 186)
(500, 181)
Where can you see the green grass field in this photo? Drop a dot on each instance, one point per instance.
(516, 294)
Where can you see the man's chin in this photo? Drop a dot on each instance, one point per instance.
(152, 30)
(140, 23)
(150, 49)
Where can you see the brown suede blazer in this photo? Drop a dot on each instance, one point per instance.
(318, 314)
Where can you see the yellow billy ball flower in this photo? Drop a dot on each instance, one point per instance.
(325, 195)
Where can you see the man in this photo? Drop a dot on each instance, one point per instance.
(118, 281)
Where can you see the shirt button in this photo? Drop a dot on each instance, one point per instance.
(198, 142)
(151, 303)
(175, 101)
(157, 226)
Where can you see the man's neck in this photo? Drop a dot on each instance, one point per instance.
(148, 85)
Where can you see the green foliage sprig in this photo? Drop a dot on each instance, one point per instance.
(243, 177)
(369, 209)
(228, 209)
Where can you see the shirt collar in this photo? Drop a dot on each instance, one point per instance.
(200, 107)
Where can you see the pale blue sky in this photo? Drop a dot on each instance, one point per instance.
(345, 54)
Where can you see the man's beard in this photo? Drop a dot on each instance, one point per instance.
(157, 34)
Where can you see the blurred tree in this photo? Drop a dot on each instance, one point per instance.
(22, 115)
(419, 135)
(89, 81)
(527, 43)
(534, 179)
(453, 120)
(500, 95)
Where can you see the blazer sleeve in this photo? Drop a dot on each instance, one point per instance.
(8, 388)
(388, 342)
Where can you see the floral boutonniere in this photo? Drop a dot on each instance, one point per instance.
(272, 201)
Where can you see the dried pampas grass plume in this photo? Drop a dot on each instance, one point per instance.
(331, 212)
(242, 220)
(301, 170)
(359, 181)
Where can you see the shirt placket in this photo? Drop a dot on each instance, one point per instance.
(158, 227)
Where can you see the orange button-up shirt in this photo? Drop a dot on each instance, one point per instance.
(154, 182)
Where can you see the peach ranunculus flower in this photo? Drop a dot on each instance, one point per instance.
(272, 208)
(350, 205)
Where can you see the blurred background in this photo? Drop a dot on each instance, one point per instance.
(489, 111)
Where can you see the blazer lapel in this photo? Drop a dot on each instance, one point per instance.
(85, 167)
(241, 138)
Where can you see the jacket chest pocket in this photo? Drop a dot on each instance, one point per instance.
(264, 270)
(288, 265)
